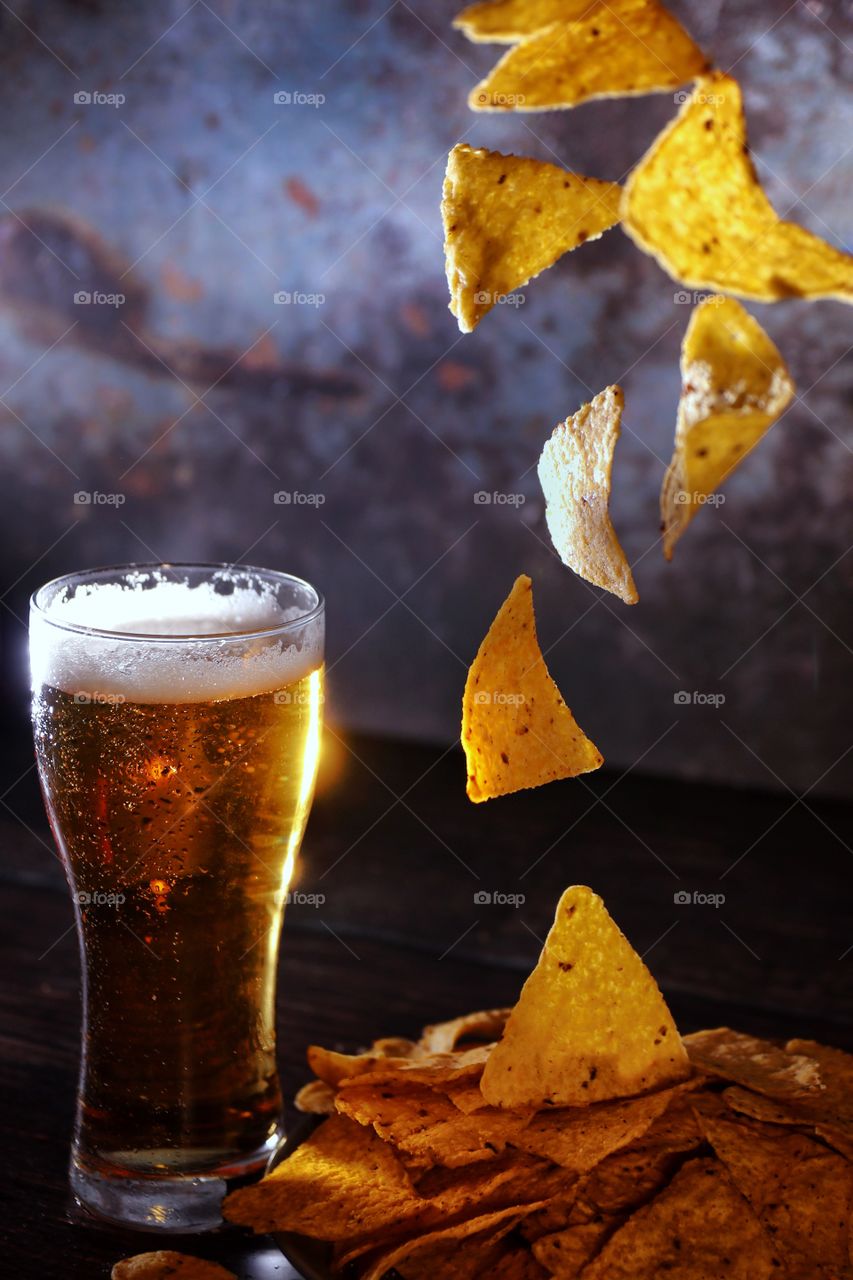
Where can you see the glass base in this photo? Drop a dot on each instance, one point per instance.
(179, 1204)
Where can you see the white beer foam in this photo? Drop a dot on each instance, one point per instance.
(181, 669)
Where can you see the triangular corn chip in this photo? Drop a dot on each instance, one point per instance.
(590, 1023)
(508, 21)
(695, 203)
(615, 51)
(517, 731)
(734, 385)
(699, 1227)
(756, 1064)
(801, 1192)
(574, 471)
(506, 218)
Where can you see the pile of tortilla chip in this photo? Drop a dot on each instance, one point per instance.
(576, 1135)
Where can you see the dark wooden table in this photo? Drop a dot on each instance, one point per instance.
(401, 939)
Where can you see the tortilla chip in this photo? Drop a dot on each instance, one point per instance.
(835, 1104)
(316, 1098)
(165, 1264)
(343, 1181)
(695, 204)
(466, 1251)
(507, 218)
(333, 1067)
(427, 1126)
(734, 385)
(581, 1137)
(438, 1070)
(517, 731)
(756, 1064)
(616, 51)
(574, 472)
(518, 1264)
(590, 1023)
(466, 1095)
(443, 1037)
(699, 1227)
(508, 21)
(565, 1253)
(801, 1193)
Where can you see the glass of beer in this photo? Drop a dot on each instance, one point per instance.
(177, 713)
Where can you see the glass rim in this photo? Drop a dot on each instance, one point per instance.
(216, 637)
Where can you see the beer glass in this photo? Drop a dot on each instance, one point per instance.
(177, 714)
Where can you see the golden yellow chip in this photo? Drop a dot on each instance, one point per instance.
(590, 1023)
(517, 731)
(734, 385)
(574, 472)
(801, 1193)
(508, 21)
(506, 218)
(617, 50)
(699, 1227)
(695, 203)
(342, 1182)
(165, 1264)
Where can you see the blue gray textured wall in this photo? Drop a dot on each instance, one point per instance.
(187, 188)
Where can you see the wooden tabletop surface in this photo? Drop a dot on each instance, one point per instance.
(402, 938)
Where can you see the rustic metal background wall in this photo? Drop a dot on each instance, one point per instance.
(282, 381)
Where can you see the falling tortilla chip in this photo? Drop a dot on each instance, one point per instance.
(698, 1227)
(574, 472)
(506, 218)
(694, 203)
(615, 51)
(517, 731)
(508, 21)
(165, 1264)
(801, 1192)
(590, 1024)
(734, 386)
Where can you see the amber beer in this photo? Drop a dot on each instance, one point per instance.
(178, 774)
